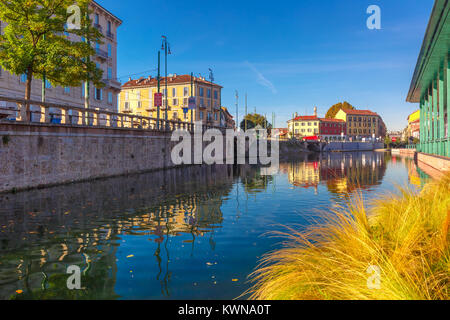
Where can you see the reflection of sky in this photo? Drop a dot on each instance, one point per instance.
(219, 220)
(205, 268)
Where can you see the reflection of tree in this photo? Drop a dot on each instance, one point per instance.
(253, 181)
(55, 227)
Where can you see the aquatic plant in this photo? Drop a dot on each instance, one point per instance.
(395, 248)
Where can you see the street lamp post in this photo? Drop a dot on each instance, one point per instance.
(166, 48)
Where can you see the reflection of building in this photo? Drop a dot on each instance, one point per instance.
(362, 123)
(341, 172)
(106, 59)
(137, 97)
(47, 230)
(429, 85)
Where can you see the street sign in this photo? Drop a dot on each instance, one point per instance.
(185, 110)
(192, 103)
(158, 99)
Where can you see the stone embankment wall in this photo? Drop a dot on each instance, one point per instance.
(40, 155)
(434, 166)
(353, 146)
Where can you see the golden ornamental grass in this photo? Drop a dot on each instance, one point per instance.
(405, 236)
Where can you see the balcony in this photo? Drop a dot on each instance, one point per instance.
(98, 27)
(101, 54)
(112, 84)
(110, 35)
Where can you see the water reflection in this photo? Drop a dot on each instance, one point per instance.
(44, 231)
(342, 173)
(182, 233)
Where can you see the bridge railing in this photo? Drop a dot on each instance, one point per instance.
(14, 109)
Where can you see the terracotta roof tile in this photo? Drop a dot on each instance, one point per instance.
(176, 79)
(360, 112)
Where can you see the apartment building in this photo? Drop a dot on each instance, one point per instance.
(137, 98)
(362, 123)
(105, 98)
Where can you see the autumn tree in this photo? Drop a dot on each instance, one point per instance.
(332, 112)
(36, 42)
(254, 120)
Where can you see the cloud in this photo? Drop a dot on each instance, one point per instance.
(261, 79)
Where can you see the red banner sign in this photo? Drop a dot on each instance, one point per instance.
(158, 99)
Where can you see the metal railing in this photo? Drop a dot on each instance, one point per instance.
(58, 114)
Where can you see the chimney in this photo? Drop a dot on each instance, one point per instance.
(315, 112)
(296, 115)
(129, 79)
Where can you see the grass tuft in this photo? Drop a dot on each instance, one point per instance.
(405, 236)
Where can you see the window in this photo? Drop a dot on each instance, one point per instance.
(97, 19)
(209, 93)
(201, 114)
(109, 73)
(98, 94)
(164, 92)
(174, 92)
(175, 115)
(127, 106)
(126, 95)
(186, 91)
(296, 124)
(83, 90)
(216, 95)
(201, 92)
(109, 50)
(175, 102)
(110, 97)
(215, 116)
(109, 26)
(139, 104)
(67, 90)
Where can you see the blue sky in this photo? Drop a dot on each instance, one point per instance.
(288, 56)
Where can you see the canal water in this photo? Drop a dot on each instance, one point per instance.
(192, 233)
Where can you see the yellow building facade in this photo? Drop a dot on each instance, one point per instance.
(137, 98)
(362, 123)
(304, 126)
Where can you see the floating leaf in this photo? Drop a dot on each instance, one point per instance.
(130, 256)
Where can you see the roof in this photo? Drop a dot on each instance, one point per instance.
(175, 79)
(225, 110)
(433, 51)
(95, 3)
(305, 118)
(360, 112)
(332, 120)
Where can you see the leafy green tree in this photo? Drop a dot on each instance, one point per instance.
(36, 42)
(332, 112)
(253, 120)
